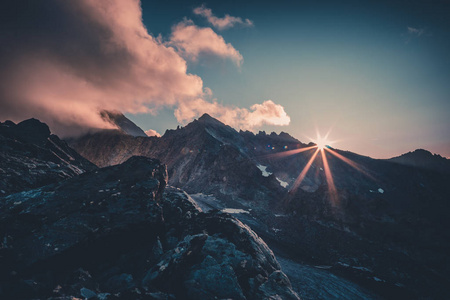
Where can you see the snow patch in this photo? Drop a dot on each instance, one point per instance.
(279, 215)
(343, 264)
(206, 202)
(362, 269)
(378, 279)
(282, 183)
(263, 170)
(276, 229)
(323, 267)
(380, 190)
(235, 211)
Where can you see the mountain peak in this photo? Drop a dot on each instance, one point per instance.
(31, 131)
(207, 119)
(123, 123)
(422, 152)
(424, 159)
(35, 125)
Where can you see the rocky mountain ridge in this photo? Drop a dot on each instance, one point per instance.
(30, 156)
(377, 231)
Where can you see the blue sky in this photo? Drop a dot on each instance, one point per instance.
(377, 74)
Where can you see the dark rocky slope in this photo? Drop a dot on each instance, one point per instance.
(30, 156)
(116, 233)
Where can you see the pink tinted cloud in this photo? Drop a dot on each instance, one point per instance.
(152, 132)
(72, 59)
(267, 113)
(221, 23)
(193, 41)
(102, 57)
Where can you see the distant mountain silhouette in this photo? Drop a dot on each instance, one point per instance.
(423, 159)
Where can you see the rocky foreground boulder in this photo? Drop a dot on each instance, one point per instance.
(118, 233)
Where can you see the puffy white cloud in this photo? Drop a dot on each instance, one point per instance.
(242, 118)
(221, 23)
(152, 132)
(193, 41)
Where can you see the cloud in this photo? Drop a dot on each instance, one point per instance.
(152, 132)
(267, 113)
(221, 23)
(63, 61)
(193, 41)
(416, 31)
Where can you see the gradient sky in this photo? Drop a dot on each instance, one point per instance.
(377, 74)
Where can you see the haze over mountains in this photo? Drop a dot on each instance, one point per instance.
(380, 234)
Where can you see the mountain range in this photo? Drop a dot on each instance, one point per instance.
(388, 215)
(376, 229)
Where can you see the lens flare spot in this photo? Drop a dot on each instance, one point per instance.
(321, 143)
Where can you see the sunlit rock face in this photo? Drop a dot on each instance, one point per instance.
(116, 233)
(30, 156)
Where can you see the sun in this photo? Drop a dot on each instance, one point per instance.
(321, 143)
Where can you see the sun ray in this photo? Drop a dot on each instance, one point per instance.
(350, 163)
(305, 170)
(287, 153)
(322, 145)
(329, 177)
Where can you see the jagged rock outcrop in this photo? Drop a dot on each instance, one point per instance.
(114, 233)
(30, 156)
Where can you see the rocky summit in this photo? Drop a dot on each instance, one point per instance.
(30, 157)
(119, 233)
